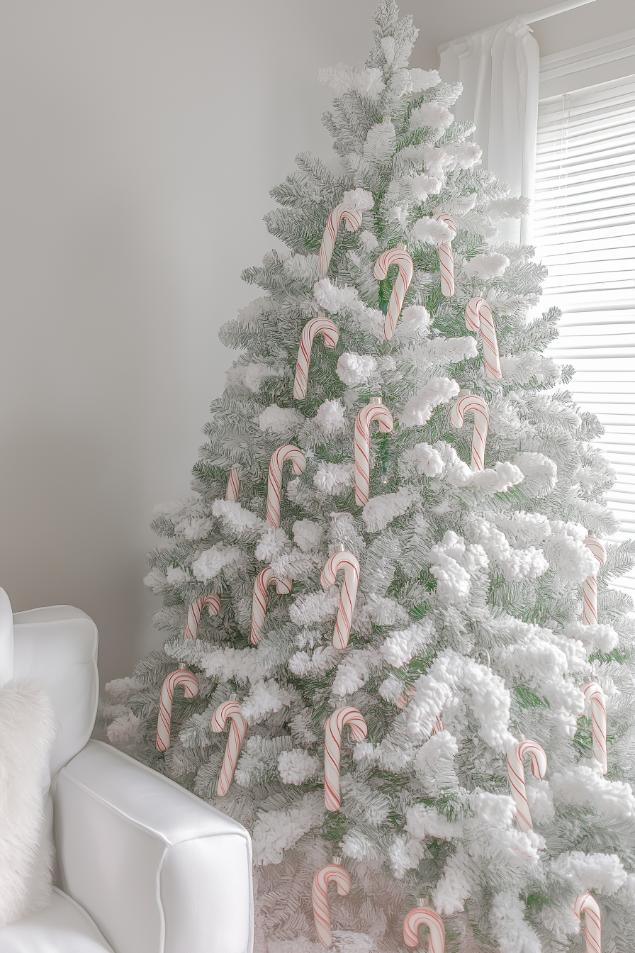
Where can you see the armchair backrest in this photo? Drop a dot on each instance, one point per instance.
(57, 647)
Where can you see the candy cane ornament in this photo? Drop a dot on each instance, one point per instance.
(446, 257)
(346, 563)
(477, 406)
(331, 874)
(233, 485)
(195, 612)
(375, 412)
(333, 750)
(479, 318)
(590, 587)
(286, 454)
(403, 261)
(232, 712)
(424, 917)
(181, 678)
(351, 218)
(260, 602)
(596, 701)
(516, 775)
(316, 326)
(588, 913)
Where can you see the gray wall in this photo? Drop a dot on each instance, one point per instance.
(139, 141)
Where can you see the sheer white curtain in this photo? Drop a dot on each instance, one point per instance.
(500, 71)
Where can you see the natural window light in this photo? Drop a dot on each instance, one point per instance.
(584, 228)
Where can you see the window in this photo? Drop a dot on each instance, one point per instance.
(584, 230)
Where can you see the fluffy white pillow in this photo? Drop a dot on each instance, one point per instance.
(26, 736)
(6, 638)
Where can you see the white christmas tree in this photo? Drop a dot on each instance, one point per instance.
(392, 650)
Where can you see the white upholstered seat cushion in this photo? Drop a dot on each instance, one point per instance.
(62, 927)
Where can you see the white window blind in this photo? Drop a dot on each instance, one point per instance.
(584, 230)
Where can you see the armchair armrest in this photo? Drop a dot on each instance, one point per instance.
(158, 869)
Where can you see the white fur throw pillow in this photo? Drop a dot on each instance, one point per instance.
(26, 735)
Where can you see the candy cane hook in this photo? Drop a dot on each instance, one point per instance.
(233, 485)
(403, 261)
(351, 218)
(590, 587)
(332, 873)
(264, 580)
(588, 913)
(346, 563)
(424, 917)
(479, 318)
(285, 454)
(333, 750)
(446, 257)
(596, 700)
(232, 712)
(516, 775)
(181, 678)
(328, 330)
(375, 412)
(195, 612)
(477, 406)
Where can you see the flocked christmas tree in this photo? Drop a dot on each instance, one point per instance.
(392, 652)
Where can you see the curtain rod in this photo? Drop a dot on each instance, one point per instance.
(554, 10)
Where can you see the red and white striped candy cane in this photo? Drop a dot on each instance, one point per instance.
(333, 750)
(590, 587)
(345, 562)
(331, 874)
(286, 454)
(195, 612)
(328, 330)
(232, 712)
(233, 485)
(477, 406)
(516, 775)
(403, 261)
(479, 318)
(446, 257)
(375, 412)
(424, 917)
(404, 700)
(264, 580)
(596, 700)
(181, 678)
(351, 218)
(588, 913)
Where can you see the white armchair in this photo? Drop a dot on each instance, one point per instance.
(142, 865)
